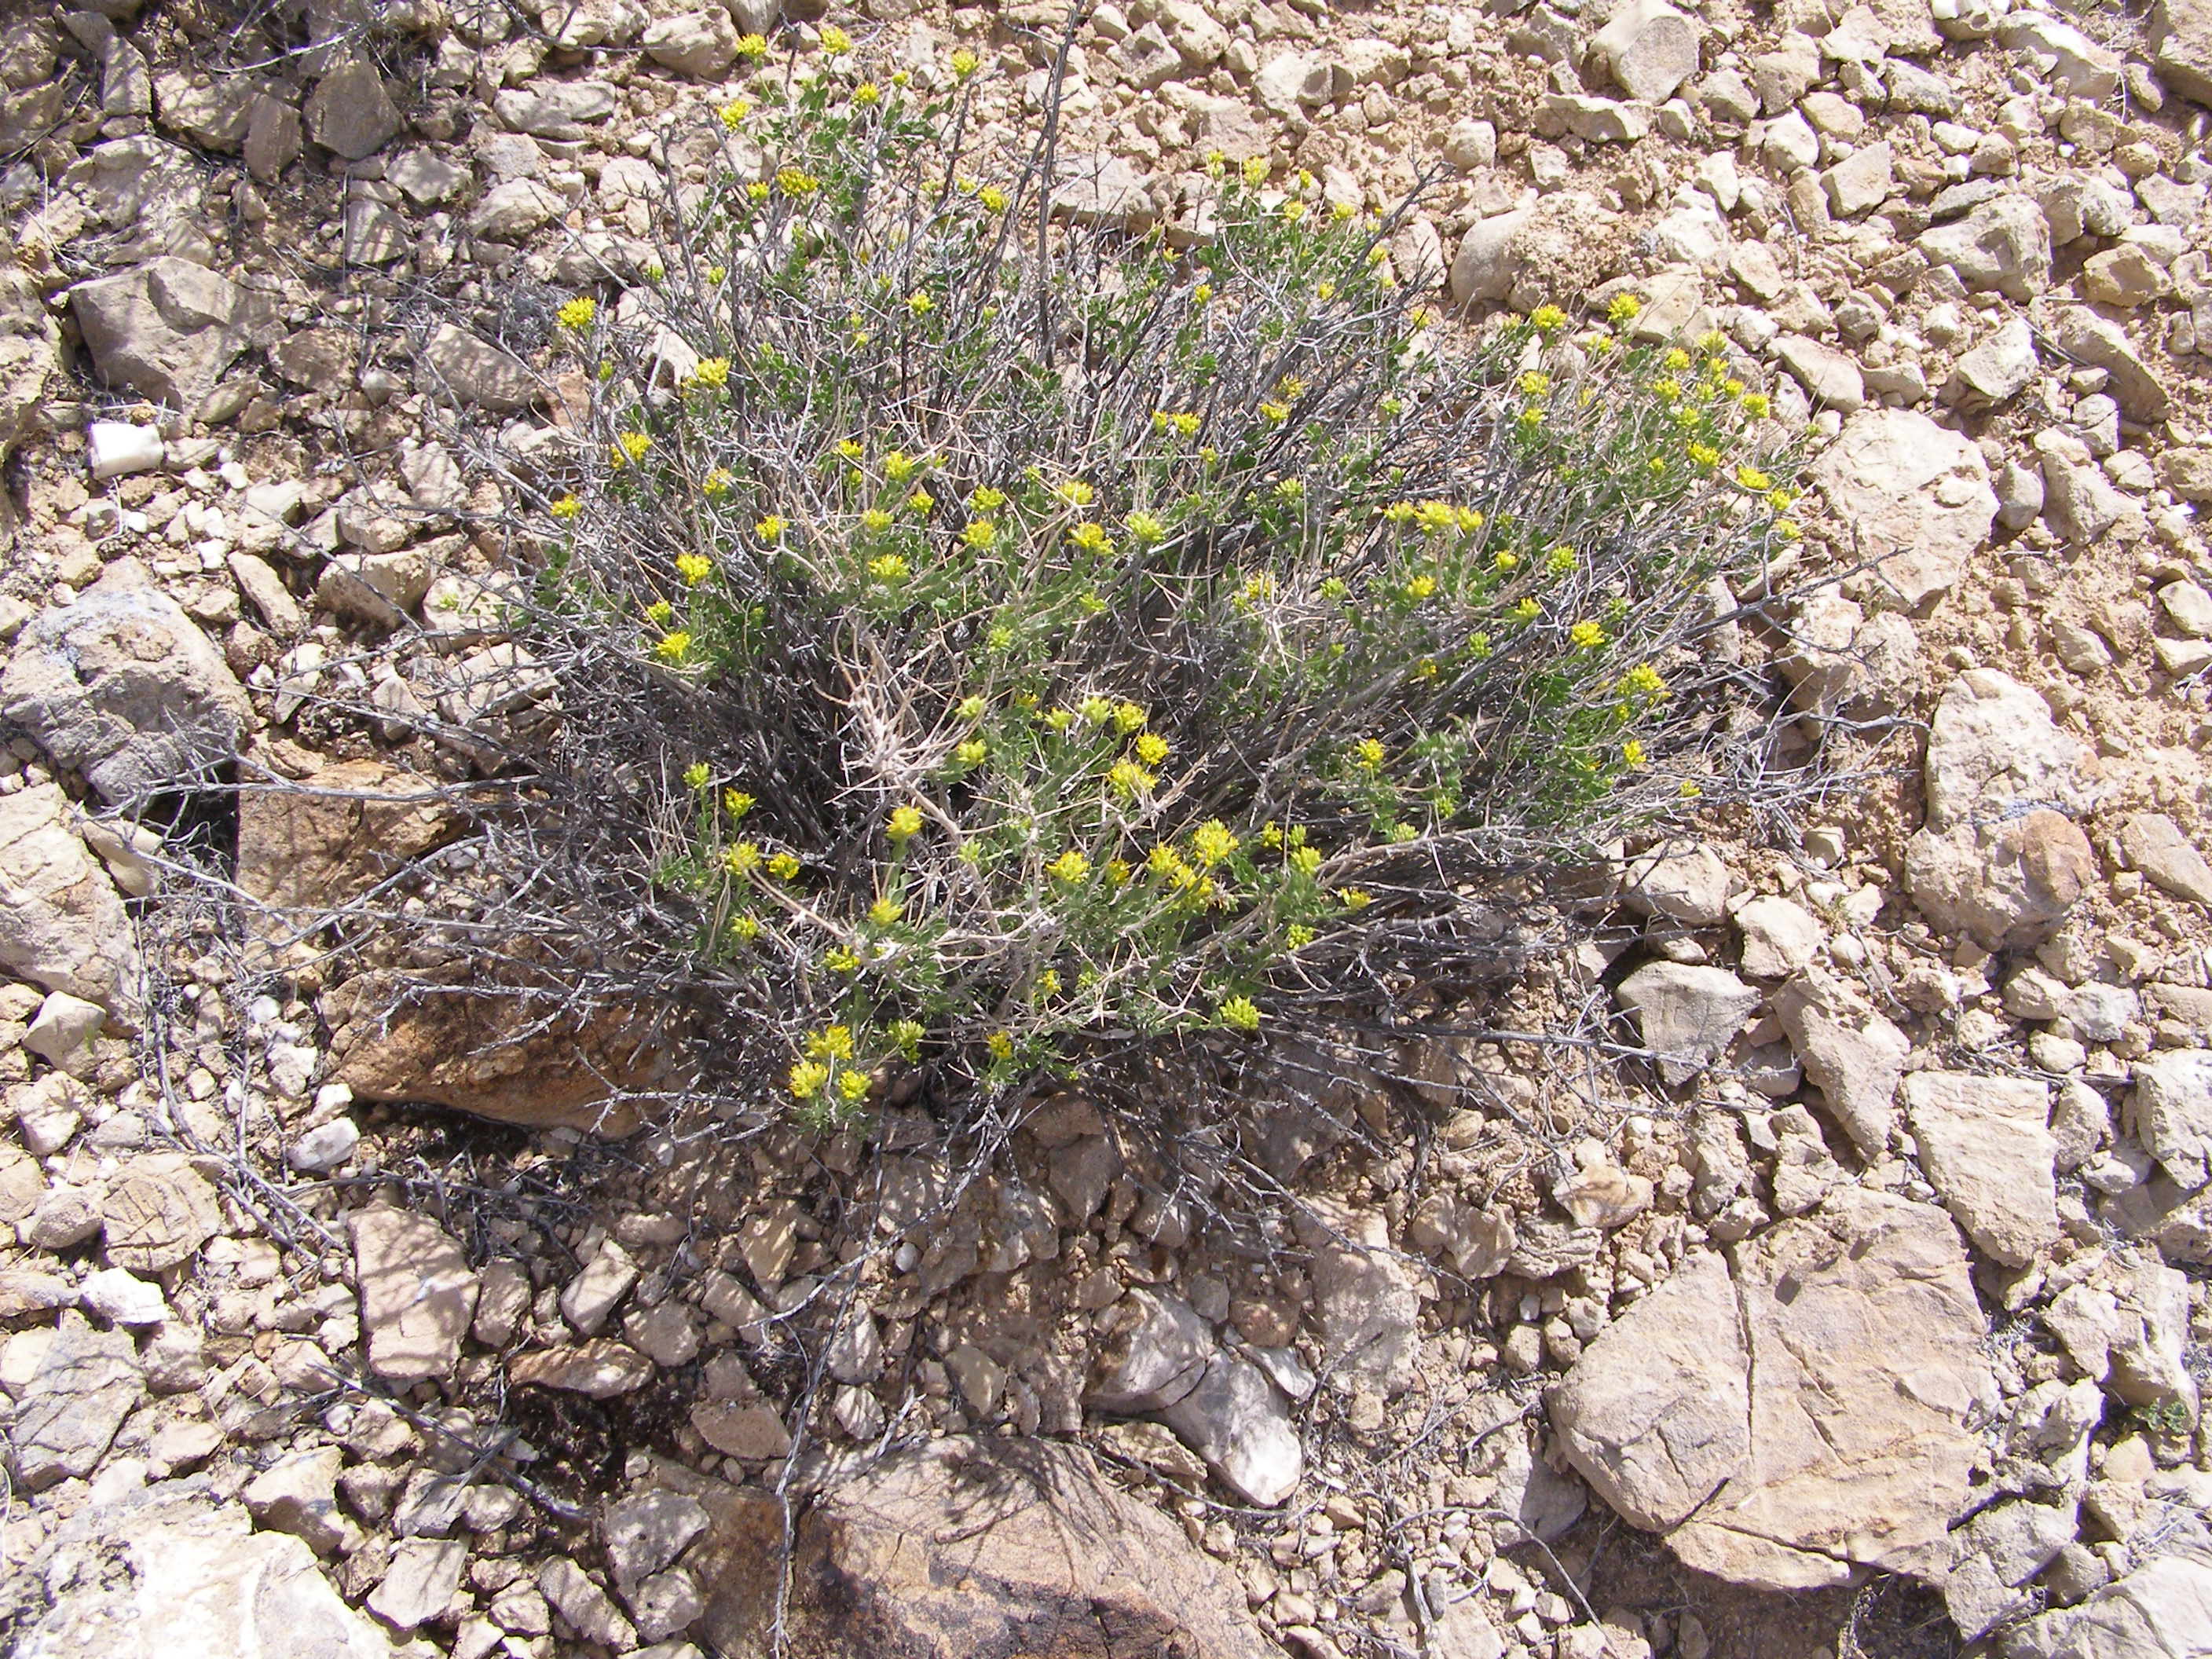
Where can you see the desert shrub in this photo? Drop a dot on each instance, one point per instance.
(1058, 629)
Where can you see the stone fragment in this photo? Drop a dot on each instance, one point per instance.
(62, 923)
(2001, 245)
(64, 1024)
(1597, 121)
(1656, 1414)
(1155, 1357)
(475, 371)
(601, 1368)
(1687, 1015)
(1532, 253)
(590, 1611)
(1648, 48)
(2162, 1608)
(324, 1147)
(1910, 494)
(1830, 377)
(2180, 38)
(1689, 885)
(2086, 337)
(592, 1295)
(120, 1296)
(752, 1432)
(298, 1494)
(1986, 1145)
(2154, 844)
(1366, 1295)
(1780, 936)
(156, 1213)
(646, 1533)
(417, 1294)
(1240, 1424)
(700, 44)
(166, 329)
(118, 449)
(333, 835)
(2170, 1113)
(2000, 368)
(123, 687)
(2004, 882)
(168, 1570)
(1861, 182)
(419, 1585)
(981, 1547)
(350, 113)
(67, 1413)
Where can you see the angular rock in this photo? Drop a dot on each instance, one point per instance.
(157, 1213)
(561, 110)
(315, 844)
(2087, 337)
(994, 1549)
(475, 371)
(1689, 886)
(1532, 252)
(646, 1533)
(123, 687)
(589, 1610)
(119, 1296)
(419, 1585)
(169, 1572)
(2170, 1113)
(298, 1494)
(1240, 1424)
(601, 1368)
(590, 1297)
(417, 1294)
(1648, 48)
(62, 923)
(1780, 936)
(2005, 883)
(2180, 37)
(1909, 493)
(2162, 1609)
(1867, 1388)
(1367, 1297)
(1986, 1145)
(1993, 747)
(350, 113)
(1830, 377)
(2001, 367)
(2002, 245)
(166, 329)
(754, 1433)
(2154, 844)
(1852, 1054)
(67, 1413)
(1655, 1413)
(1688, 1015)
(30, 356)
(1154, 1359)
(700, 44)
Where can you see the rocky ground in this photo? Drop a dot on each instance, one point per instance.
(1869, 1318)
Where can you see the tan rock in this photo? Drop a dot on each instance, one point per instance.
(62, 923)
(601, 1368)
(1852, 1054)
(417, 1294)
(1985, 1142)
(315, 844)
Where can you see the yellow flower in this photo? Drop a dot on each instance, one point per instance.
(1047, 983)
(1625, 308)
(1294, 211)
(922, 501)
(1306, 860)
(965, 63)
(905, 823)
(1070, 867)
(734, 112)
(920, 303)
(992, 199)
(1000, 1045)
(1297, 936)
(796, 182)
(839, 960)
(808, 1079)
(1213, 842)
(567, 508)
(1420, 588)
(742, 858)
(1787, 529)
(753, 46)
(783, 867)
(1675, 361)
(1528, 610)
(1586, 636)
(984, 499)
(744, 929)
(713, 372)
(1756, 405)
(672, 645)
(737, 803)
(867, 93)
(1368, 754)
(659, 612)
(1275, 414)
(1146, 528)
(970, 708)
(1090, 537)
(1752, 478)
(631, 446)
(971, 753)
(835, 41)
(1535, 384)
(1074, 491)
(980, 533)
(1152, 748)
(694, 567)
(717, 482)
(889, 567)
(695, 775)
(1202, 293)
(908, 1034)
(577, 314)
(1631, 753)
(852, 1085)
(1704, 455)
(831, 1043)
(1354, 898)
(758, 191)
(1239, 1014)
(771, 528)
(1531, 418)
(1324, 291)
(875, 521)
(1561, 560)
(1255, 171)
(1126, 778)
(1643, 681)
(1547, 320)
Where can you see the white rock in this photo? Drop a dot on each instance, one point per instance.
(116, 447)
(121, 1298)
(1648, 48)
(64, 1024)
(1913, 495)
(324, 1147)
(2169, 1112)
(1986, 1145)
(1687, 1015)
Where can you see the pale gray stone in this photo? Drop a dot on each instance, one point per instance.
(1986, 1145)
(1687, 1015)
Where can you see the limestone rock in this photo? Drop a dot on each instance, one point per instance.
(1154, 1359)
(169, 1572)
(29, 355)
(994, 1549)
(2163, 1609)
(2169, 1112)
(601, 1368)
(700, 44)
(1366, 1295)
(62, 923)
(1240, 1424)
(647, 1532)
(419, 1585)
(2002, 245)
(463, 1049)
(67, 1412)
(298, 1494)
(2153, 843)
(330, 837)
(157, 1210)
(1909, 493)
(1852, 1054)
(2086, 337)
(123, 687)
(1866, 1387)
(1531, 254)
(1655, 1415)
(1648, 48)
(2181, 37)
(1985, 1142)
(166, 329)
(1688, 1015)
(417, 1293)
(2005, 883)
(1993, 746)
(1689, 885)
(475, 371)
(350, 113)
